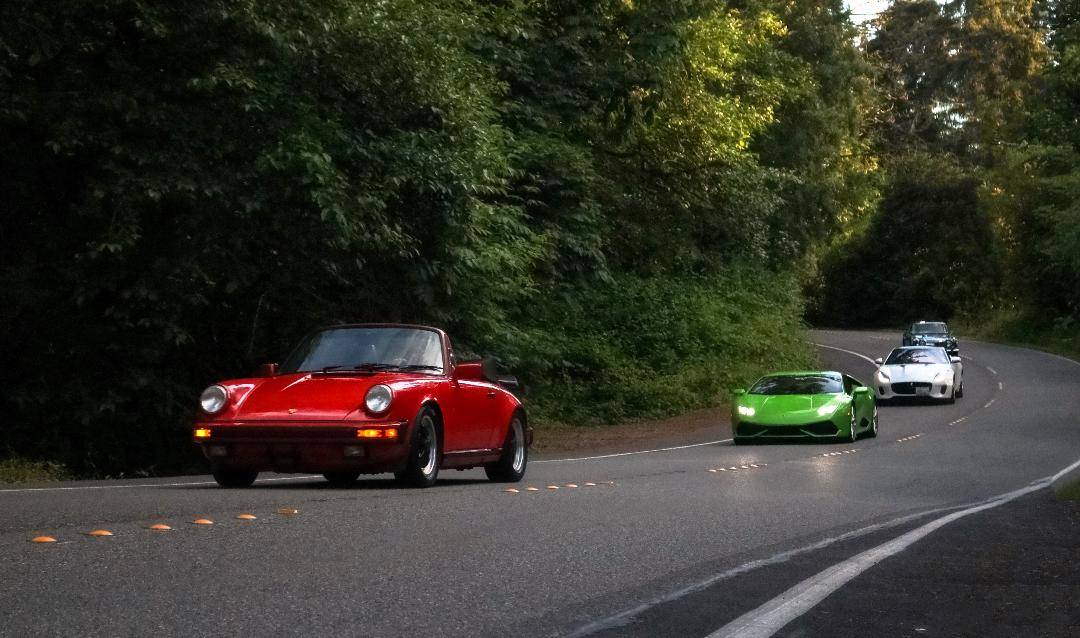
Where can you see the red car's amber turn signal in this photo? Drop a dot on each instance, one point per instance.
(377, 433)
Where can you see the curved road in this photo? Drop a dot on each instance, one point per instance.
(660, 544)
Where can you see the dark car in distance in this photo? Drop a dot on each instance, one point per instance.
(932, 333)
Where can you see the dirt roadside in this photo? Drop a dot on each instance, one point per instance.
(699, 426)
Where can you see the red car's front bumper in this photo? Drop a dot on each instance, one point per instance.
(305, 447)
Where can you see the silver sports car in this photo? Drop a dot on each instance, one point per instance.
(920, 371)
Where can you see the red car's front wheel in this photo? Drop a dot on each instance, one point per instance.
(422, 466)
(234, 478)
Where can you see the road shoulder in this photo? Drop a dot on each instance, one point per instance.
(1008, 571)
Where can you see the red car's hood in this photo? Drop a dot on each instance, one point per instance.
(306, 397)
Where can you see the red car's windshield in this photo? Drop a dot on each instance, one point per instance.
(367, 347)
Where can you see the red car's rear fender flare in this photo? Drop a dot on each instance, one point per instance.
(517, 410)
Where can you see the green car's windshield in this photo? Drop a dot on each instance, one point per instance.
(911, 356)
(367, 348)
(929, 328)
(799, 384)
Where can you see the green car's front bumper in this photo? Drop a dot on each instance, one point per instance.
(746, 429)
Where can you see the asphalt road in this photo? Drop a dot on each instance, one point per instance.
(660, 545)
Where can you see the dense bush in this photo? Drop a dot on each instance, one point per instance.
(929, 251)
(653, 346)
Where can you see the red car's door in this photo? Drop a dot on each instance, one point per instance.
(469, 425)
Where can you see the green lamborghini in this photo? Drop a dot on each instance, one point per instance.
(806, 405)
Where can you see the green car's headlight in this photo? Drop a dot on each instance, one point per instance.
(826, 410)
(746, 410)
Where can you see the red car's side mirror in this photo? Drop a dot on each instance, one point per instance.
(267, 370)
(469, 371)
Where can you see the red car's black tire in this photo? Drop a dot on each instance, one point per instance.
(341, 479)
(425, 451)
(226, 477)
(510, 468)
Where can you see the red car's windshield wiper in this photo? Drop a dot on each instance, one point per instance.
(377, 367)
(363, 367)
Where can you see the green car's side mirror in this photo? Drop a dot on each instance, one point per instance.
(739, 392)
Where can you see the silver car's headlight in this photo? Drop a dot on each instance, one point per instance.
(942, 378)
(213, 399)
(378, 398)
(883, 376)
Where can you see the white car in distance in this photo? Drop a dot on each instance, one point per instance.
(919, 372)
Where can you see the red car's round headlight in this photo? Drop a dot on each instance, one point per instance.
(213, 399)
(378, 398)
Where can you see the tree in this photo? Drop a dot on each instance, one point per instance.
(917, 45)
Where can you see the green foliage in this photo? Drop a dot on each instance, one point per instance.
(650, 346)
(914, 47)
(928, 252)
(16, 470)
(978, 127)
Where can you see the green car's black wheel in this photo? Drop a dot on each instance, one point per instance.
(853, 434)
(872, 432)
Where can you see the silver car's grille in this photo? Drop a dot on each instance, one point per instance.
(908, 387)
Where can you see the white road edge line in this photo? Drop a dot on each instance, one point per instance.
(125, 487)
(625, 617)
(851, 352)
(300, 478)
(769, 618)
(609, 456)
(683, 447)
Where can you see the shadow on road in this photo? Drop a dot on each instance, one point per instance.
(318, 484)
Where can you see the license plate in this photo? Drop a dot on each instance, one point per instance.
(922, 392)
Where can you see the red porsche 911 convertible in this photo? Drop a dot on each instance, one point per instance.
(364, 399)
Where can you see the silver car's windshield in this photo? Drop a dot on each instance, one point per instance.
(353, 348)
(910, 356)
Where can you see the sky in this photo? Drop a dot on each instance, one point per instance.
(863, 10)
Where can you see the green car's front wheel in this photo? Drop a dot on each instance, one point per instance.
(872, 432)
(853, 434)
